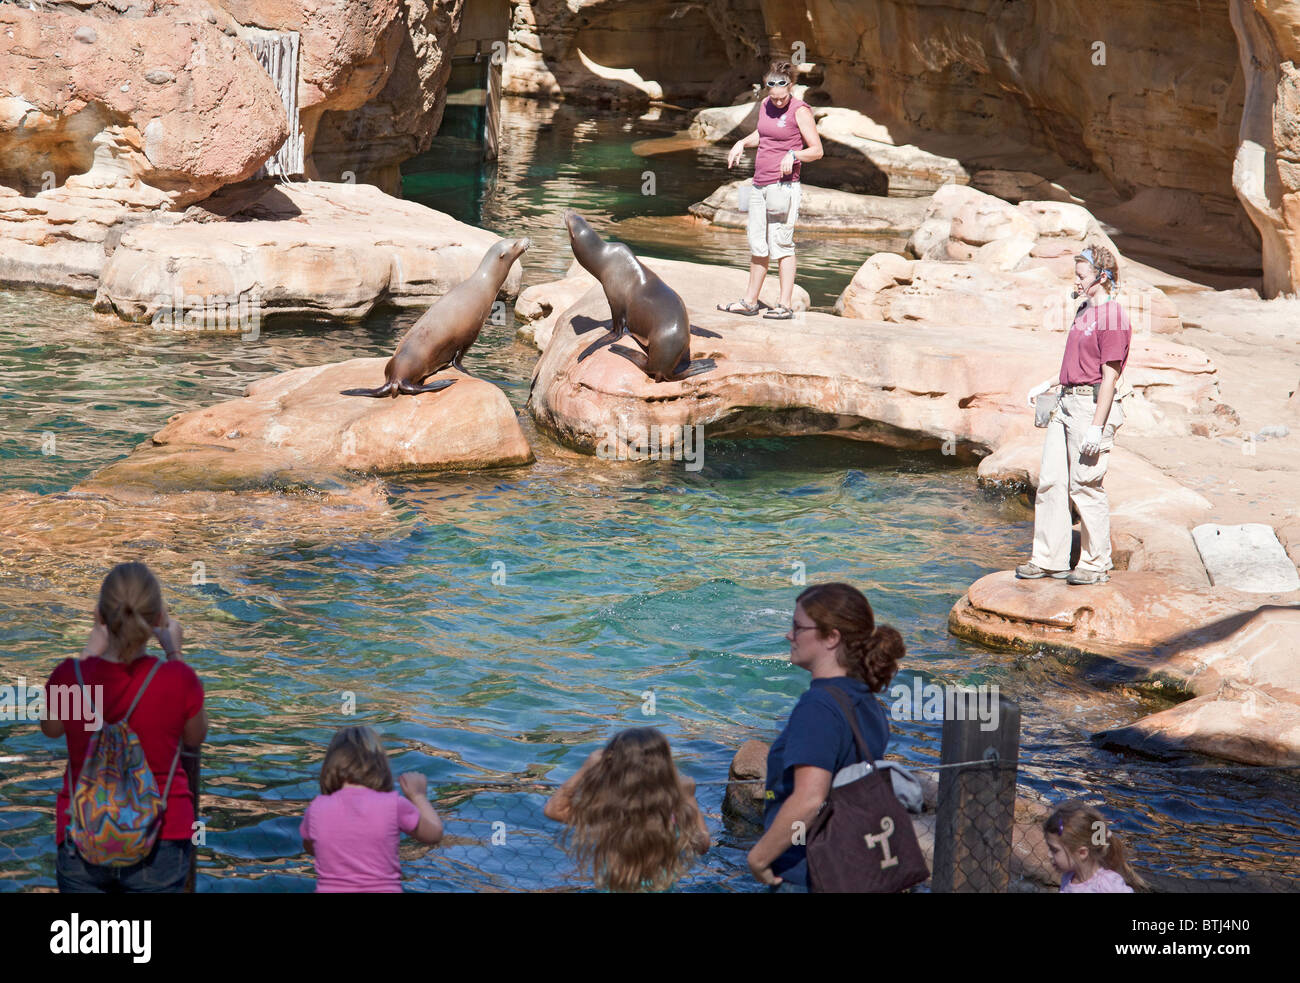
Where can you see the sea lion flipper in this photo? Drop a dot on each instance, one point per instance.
(703, 332)
(636, 358)
(410, 389)
(378, 393)
(599, 342)
(697, 367)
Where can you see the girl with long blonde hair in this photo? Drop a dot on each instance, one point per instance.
(633, 821)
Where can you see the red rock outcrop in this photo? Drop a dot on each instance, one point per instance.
(903, 384)
(167, 101)
(299, 420)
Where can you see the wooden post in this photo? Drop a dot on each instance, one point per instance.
(977, 804)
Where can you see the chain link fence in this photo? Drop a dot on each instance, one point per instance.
(980, 828)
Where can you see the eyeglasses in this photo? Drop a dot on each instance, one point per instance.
(795, 627)
(775, 82)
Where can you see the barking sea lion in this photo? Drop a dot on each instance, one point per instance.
(640, 304)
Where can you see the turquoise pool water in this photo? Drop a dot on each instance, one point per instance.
(620, 580)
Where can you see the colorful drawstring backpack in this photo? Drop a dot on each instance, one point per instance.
(115, 813)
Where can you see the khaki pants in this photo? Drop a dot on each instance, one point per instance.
(1067, 476)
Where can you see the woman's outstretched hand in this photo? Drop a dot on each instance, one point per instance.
(737, 152)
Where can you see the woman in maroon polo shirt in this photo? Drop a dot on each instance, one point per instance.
(1082, 430)
(170, 714)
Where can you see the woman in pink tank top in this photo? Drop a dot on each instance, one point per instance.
(786, 138)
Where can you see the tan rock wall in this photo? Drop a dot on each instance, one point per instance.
(1195, 98)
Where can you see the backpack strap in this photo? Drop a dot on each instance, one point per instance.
(85, 703)
(85, 690)
(846, 705)
(140, 692)
(171, 773)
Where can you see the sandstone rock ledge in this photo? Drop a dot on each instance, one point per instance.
(295, 428)
(907, 385)
(1237, 654)
(308, 248)
(1157, 625)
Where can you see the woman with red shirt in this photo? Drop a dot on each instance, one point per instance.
(169, 714)
(1081, 430)
(786, 138)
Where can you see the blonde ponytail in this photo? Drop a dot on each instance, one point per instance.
(130, 605)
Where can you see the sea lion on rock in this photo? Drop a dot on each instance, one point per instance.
(640, 304)
(444, 332)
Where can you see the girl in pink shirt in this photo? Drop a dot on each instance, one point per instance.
(353, 827)
(1087, 853)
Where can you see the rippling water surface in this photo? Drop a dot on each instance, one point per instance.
(509, 622)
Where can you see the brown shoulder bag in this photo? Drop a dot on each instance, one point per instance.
(862, 841)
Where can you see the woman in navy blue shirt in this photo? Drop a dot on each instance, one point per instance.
(834, 637)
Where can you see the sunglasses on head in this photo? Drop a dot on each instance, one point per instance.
(772, 83)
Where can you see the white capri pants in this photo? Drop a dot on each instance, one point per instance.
(772, 239)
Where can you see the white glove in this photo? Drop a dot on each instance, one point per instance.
(1038, 390)
(1092, 441)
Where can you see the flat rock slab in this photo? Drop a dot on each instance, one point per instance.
(1246, 558)
(1146, 629)
(1241, 723)
(827, 210)
(898, 385)
(297, 423)
(1135, 620)
(314, 249)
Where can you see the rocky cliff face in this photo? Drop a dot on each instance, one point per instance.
(371, 82)
(1181, 116)
(121, 112)
(168, 95)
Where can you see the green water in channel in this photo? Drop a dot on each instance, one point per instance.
(620, 579)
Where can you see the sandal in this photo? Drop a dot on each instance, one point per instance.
(779, 313)
(739, 307)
